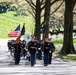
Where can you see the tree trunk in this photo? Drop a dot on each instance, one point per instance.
(47, 16)
(68, 47)
(37, 20)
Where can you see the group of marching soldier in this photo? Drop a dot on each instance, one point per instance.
(32, 50)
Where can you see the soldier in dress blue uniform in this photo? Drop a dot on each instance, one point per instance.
(32, 47)
(17, 51)
(52, 49)
(46, 49)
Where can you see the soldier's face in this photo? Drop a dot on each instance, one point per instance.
(46, 39)
(32, 39)
(49, 39)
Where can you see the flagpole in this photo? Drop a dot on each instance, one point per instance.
(22, 32)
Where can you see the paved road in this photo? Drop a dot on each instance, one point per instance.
(58, 67)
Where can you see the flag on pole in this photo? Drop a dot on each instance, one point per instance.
(42, 29)
(23, 30)
(22, 33)
(18, 28)
(15, 33)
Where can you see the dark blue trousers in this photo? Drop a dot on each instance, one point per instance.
(32, 58)
(46, 59)
(40, 54)
(50, 58)
(17, 58)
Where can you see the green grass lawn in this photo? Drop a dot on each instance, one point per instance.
(8, 23)
(71, 57)
(60, 41)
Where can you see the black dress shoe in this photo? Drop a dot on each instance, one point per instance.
(45, 65)
(32, 65)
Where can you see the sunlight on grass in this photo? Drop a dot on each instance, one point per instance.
(58, 41)
(71, 57)
(8, 22)
(74, 40)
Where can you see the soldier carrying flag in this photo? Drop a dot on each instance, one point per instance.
(17, 47)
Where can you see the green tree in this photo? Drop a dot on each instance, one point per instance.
(68, 47)
(48, 6)
(36, 8)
